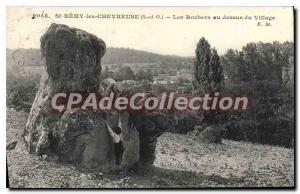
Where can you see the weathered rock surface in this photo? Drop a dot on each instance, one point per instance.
(154, 124)
(73, 57)
(73, 63)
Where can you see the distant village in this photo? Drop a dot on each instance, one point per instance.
(127, 66)
(159, 78)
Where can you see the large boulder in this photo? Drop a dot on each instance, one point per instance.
(151, 125)
(72, 63)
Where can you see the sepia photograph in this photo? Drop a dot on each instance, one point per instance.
(150, 97)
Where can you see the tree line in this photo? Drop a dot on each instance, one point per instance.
(264, 72)
(126, 73)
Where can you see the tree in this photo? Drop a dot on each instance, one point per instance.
(201, 66)
(208, 72)
(125, 73)
(140, 75)
(105, 73)
(216, 76)
(144, 75)
(149, 75)
(233, 63)
(259, 72)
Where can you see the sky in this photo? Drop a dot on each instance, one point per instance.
(166, 36)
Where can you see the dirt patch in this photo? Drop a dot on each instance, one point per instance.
(181, 161)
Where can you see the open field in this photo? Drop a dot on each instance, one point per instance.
(181, 162)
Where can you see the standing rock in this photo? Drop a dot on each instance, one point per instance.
(73, 63)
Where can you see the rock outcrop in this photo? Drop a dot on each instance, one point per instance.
(72, 63)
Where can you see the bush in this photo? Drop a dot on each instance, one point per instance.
(197, 130)
(21, 87)
(185, 122)
(211, 134)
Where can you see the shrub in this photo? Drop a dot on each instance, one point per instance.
(197, 130)
(21, 87)
(211, 134)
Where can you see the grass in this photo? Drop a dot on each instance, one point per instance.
(181, 161)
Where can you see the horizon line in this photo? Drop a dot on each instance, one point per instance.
(170, 54)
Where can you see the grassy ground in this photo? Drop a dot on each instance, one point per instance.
(181, 162)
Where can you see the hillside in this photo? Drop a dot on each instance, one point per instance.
(32, 57)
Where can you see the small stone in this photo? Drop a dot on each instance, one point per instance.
(89, 176)
(11, 145)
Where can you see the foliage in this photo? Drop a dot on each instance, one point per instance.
(257, 72)
(21, 87)
(125, 73)
(211, 134)
(216, 72)
(208, 73)
(126, 55)
(144, 75)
